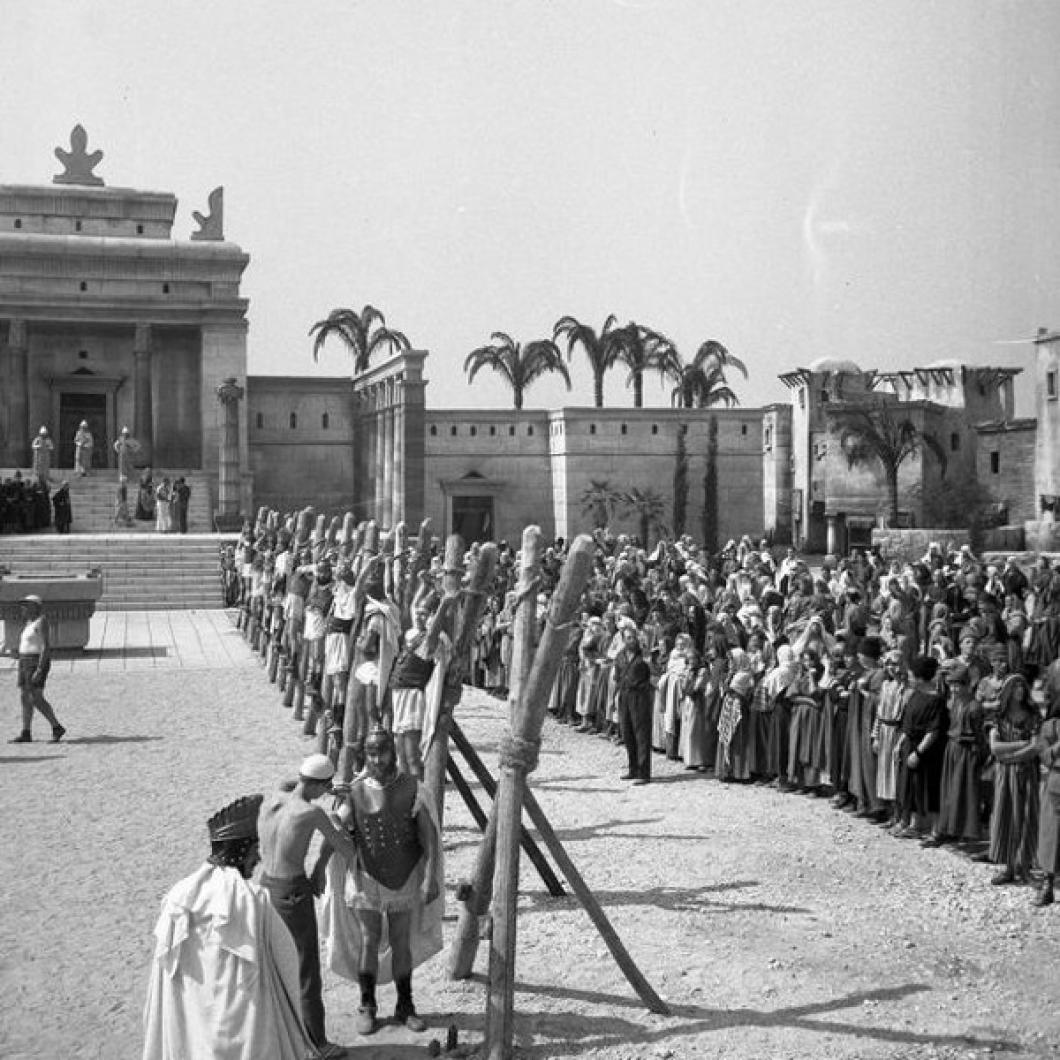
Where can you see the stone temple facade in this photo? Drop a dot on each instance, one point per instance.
(106, 316)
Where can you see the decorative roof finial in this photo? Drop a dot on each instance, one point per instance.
(212, 225)
(77, 161)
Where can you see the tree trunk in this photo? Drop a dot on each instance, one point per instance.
(517, 397)
(892, 493)
(598, 389)
(638, 390)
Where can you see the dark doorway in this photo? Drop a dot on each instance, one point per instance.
(473, 518)
(73, 408)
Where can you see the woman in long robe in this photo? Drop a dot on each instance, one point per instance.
(963, 760)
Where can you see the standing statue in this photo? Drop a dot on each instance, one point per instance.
(42, 455)
(126, 447)
(83, 445)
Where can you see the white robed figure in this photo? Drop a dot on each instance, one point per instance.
(224, 976)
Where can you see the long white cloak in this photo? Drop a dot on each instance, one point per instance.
(224, 976)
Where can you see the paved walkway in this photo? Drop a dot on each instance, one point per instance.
(151, 640)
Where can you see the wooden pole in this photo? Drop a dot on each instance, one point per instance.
(519, 758)
(489, 785)
(467, 623)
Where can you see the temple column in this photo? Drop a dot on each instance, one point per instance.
(17, 396)
(398, 473)
(832, 546)
(386, 515)
(143, 416)
(229, 395)
(380, 454)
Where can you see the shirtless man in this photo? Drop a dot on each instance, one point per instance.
(287, 824)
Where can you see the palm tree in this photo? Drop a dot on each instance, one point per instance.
(601, 349)
(520, 364)
(363, 333)
(599, 500)
(641, 349)
(701, 383)
(883, 434)
(649, 509)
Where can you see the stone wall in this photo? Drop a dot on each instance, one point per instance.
(1005, 462)
(1041, 535)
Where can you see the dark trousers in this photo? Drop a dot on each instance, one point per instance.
(293, 901)
(634, 719)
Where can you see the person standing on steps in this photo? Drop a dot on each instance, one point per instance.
(179, 506)
(34, 662)
(288, 821)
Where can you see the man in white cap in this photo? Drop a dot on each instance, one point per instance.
(34, 662)
(42, 455)
(288, 821)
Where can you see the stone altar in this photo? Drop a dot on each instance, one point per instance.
(69, 604)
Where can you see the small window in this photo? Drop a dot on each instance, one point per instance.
(511, 432)
(259, 420)
(825, 397)
(995, 463)
(165, 288)
(769, 436)
(955, 442)
(530, 429)
(434, 431)
(474, 432)
(82, 355)
(325, 422)
(1050, 385)
(623, 428)
(592, 428)
(84, 286)
(139, 230)
(77, 226)
(802, 397)
(743, 428)
(654, 428)
(18, 222)
(493, 431)
(294, 421)
(452, 430)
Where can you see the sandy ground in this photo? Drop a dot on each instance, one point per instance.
(773, 926)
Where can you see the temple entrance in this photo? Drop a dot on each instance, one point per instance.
(73, 408)
(473, 518)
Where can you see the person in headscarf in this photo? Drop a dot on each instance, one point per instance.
(224, 974)
(920, 751)
(1014, 818)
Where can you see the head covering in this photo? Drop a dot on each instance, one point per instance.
(316, 767)
(84, 423)
(33, 598)
(871, 647)
(381, 736)
(924, 667)
(43, 430)
(238, 820)
(742, 683)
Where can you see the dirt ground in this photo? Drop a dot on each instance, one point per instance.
(773, 926)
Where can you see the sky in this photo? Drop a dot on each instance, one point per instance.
(875, 181)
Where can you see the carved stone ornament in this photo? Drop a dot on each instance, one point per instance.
(229, 392)
(78, 162)
(212, 225)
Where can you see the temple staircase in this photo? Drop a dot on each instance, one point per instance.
(142, 570)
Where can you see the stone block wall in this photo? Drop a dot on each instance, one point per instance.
(1005, 465)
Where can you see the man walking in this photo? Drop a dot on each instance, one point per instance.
(34, 662)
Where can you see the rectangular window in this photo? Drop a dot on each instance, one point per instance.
(1050, 385)
(955, 441)
(995, 463)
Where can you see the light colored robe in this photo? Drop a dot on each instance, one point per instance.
(224, 976)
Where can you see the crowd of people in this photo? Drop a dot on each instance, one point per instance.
(920, 696)
(923, 697)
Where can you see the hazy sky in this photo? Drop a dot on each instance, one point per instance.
(874, 180)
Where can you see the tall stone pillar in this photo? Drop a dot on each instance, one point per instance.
(143, 413)
(17, 396)
(387, 512)
(397, 490)
(223, 356)
(380, 453)
(229, 394)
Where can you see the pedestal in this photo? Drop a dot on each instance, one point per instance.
(69, 604)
